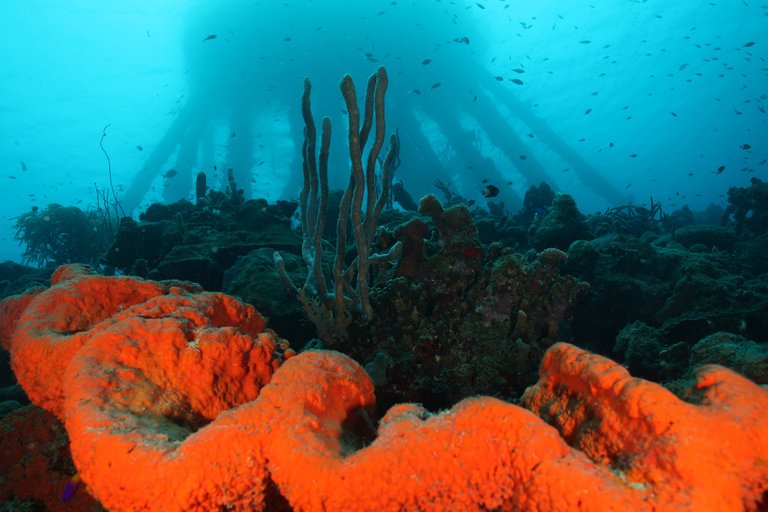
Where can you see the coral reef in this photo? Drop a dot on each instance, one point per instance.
(199, 242)
(190, 383)
(476, 319)
(562, 225)
(37, 464)
(61, 234)
(749, 207)
(683, 294)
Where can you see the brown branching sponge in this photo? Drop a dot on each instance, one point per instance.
(332, 308)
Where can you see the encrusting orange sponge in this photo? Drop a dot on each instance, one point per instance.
(707, 455)
(180, 400)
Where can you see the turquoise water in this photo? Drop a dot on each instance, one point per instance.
(612, 102)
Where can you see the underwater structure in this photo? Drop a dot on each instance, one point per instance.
(170, 397)
(243, 56)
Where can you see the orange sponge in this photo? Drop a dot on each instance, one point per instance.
(179, 400)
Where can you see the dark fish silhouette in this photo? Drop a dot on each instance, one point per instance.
(23, 166)
(490, 191)
(170, 174)
(743, 146)
(425, 62)
(517, 81)
(720, 169)
(208, 38)
(435, 85)
(140, 148)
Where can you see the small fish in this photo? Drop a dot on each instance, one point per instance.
(415, 91)
(673, 114)
(499, 78)
(587, 112)
(12, 177)
(682, 66)
(720, 169)
(463, 40)
(747, 45)
(610, 144)
(517, 81)
(287, 38)
(523, 157)
(743, 146)
(490, 191)
(585, 41)
(233, 135)
(628, 185)
(425, 62)
(71, 488)
(470, 202)
(435, 85)
(170, 174)
(23, 166)
(633, 155)
(485, 181)
(140, 148)
(480, 5)
(519, 70)
(210, 37)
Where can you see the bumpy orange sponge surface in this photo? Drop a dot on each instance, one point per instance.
(179, 400)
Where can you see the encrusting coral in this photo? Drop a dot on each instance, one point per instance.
(182, 400)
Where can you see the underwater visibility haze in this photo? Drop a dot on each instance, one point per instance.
(384, 255)
(612, 102)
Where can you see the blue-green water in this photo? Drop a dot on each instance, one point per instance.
(611, 102)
